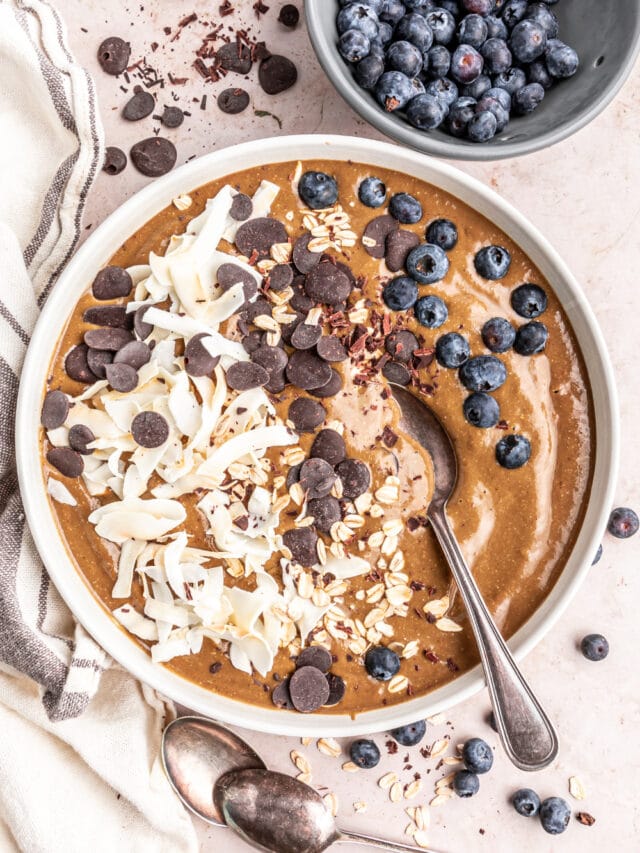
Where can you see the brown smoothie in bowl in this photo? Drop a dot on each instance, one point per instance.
(228, 537)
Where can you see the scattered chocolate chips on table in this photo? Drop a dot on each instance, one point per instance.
(115, 160)
(172, 117)
(154, 156)
(234, 56)
(289, 16)
(277, 74)
(233, 101)
(113, 55)
(141, 105)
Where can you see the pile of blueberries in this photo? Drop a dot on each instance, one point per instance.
(463, 65)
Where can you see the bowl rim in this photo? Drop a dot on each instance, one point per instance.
(338, 73)
(96, 251)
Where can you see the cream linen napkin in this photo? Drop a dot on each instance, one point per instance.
(79, 737)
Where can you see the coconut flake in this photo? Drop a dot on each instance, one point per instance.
(60, 493)
(137, 519)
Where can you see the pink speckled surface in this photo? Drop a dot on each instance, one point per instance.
(584, 195)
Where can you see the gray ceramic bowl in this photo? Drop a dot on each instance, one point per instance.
(606, 34)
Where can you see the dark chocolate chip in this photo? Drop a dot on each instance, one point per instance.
(280, 277)
(107, 338)
(293, 475)
(55, 409)
(316, 656)
(378, 229)
(233, 101)
(281, 697)
(142, 328)
(121, 377)
(355, 476)
(289, 328)
(337, 689)
(277, 74)
(113, 55)
(79, 437)
(258, 308)
(327, 283)
(241, 207)
(234, 56)
(331, 348)
(289, 16)
(115, 160)
(230, 274)
(172, 117)
(401, 345)
(303, 259)
(244, 375)
(277, 382)
(316, 478)
(98, 359)
(300, 301)
(135, 354)
(252, 341)
(108, 315)
(149, 429)
(309, 689)
(399, 244)
(329, 445)
(141, 105)
(301, 541)
(198, 361)
(307, 371)
(66, 460)
(325, 512)
(76, 365)
(111, 282)
(306, 414)
(306, 336)
(396, 372)
(154, 156)
(333, 386)
(259, 235)
(273, 359)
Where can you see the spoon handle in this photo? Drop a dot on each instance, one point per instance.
(526, 732)
(379, 843)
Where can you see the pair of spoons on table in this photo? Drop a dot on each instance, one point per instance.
(276, 812)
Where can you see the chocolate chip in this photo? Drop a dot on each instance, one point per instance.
(327, 283)
(108, 315)
(172, 117)
(329, 445)
(325, 512)
(115, 160)
(79, 437)
(289, 328)
(399, 244)
(149, 429)
(233, 101)
(142, 328)
(396, 372)
(316, 479)
(315, 656)
(135, 354)
(280, 277)
(300, 301)
(306, 414)
(277, 74)
(331, 348)
(337, 689)
(289, 16)
(55, 409)
(198, 361)
(277, 382)
(241, 207)
(305, 260)
(258, 308)
(234, 56)
(301, 541)
(259, 235)
(355, 476)
(281, 697)
(66, 460)
(333, 386)
(107, 338)
(309, 689)
(378, 229)
(76, 365)
(252, 341)
(111, 282)
(98, 359)
(230, 274)
(273, 359)
(154, 156)
(401, 345)
(141, 105)
(306, 336)
(113, 55)
(293, 475)
(307, 371)
(244, 375)
(121, 377)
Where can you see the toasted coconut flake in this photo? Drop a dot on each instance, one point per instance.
(576, 788)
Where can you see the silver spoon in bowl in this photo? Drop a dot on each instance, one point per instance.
(525, 730)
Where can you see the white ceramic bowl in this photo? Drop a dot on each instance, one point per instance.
(97, 251)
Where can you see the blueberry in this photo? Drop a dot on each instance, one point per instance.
(492, 262)
(392, 11)
(541, 14)
(364, 753)
(623, 522)
(498, 334)
(482, 127)
(405, 208)
(526, 802)
(481, 7)
(443, 25)
(466, 784)
(466, 64)
(527, 99)
(452, 350)
(483, 373)
(381, 663)
(529, 300)
(531, 338)
(481, 410)
(497, 56)
(357, 16)
(404, 56)
(376, 5)
(409, 735)
(472, 30)
(514, 11)
(554, 815)
(528, 41)
(492, 105)
(426, 112)
(439, 62)
(385, 32)
(537, 72)
(459, 116)
(497, 95)
(598, 556)
(443, 233)
(372, 192)
(430, 311)
(318, 190)
(477, 755)
(353, 45)
(400, 293)
(496, 27)
(444, 90)
(393, 90)
(562, 60)
(415, 29)
(510, 80)
(477, 88)
(368, 71)
(513, 451)
(594, 647)
(427, 263)
(451, 6)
